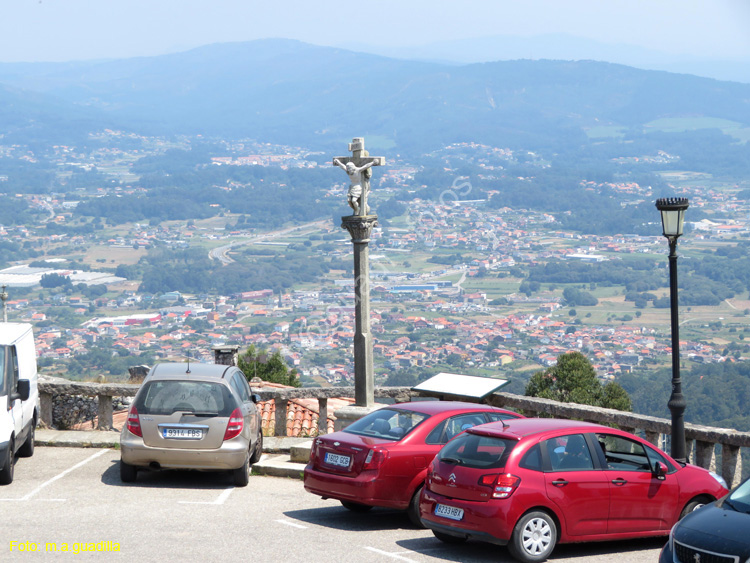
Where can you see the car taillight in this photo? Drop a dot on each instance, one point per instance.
(375, 459)
(314, 450)
(134, 422)
(502, 485)
(235, 424)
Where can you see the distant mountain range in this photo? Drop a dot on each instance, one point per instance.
(562, 46)
(286, 91)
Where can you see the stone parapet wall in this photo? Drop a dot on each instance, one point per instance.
(65, 403)
(713, 448)
(71, 410)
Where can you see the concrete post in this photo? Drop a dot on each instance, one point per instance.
(731, 464)
(322, 416)
(105, 413)
(705, 456)
(652, 437)
(45, 404)
(281, 406)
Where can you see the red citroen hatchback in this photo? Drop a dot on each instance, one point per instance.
(532, 483)
(382, 459)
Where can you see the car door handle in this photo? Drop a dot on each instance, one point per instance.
(559, 482)
(619, 482)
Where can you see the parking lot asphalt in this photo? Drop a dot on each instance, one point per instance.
(69, 504)
(277, 459)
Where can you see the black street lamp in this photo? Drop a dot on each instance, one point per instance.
(672, 218)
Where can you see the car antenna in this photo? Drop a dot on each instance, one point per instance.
(188, 366)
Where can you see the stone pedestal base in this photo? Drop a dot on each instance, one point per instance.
(346, 415)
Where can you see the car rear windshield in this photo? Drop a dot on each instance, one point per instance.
(197, 397)
(473, 450)
(390, 424)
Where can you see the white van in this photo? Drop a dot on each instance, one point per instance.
(19, 397)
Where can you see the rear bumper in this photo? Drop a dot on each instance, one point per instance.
(365, 488)
(484, 521)
(231, 455)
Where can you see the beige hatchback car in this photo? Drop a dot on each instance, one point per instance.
(192, 416)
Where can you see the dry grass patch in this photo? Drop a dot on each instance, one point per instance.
(112, 256)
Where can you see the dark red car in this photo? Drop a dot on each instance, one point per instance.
(382, 459)
(530, 484)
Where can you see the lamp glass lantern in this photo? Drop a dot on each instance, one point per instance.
(672, 215)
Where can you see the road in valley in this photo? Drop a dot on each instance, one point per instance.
(221, 253)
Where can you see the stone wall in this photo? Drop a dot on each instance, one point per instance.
(70, 410)
(714, 448)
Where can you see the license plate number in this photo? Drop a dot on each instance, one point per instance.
(450, 512)
(338, 460)
(183, 433)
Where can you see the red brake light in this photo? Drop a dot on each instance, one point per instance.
(375, 459)
(488, 480)
(134, 422)
(314, 450)
(235, 424)
(503, 485)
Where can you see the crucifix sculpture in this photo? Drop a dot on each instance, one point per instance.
(360, 225)
(358, 169)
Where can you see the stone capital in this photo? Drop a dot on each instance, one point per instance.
(359, 226)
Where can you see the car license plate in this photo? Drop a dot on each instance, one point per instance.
(183, 433)
(338, 460)
(449, 512)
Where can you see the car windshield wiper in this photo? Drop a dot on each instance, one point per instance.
(452, 460)
(206, 413)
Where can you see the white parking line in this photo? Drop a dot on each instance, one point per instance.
(292, 524)
(392, 555)
(56, 477)
(219, 500)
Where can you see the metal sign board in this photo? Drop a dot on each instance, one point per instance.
(457, 385)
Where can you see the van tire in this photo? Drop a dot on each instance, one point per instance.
(7, 465)
(27, 449)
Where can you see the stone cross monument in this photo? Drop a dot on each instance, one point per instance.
(358, 169)
(360, 225)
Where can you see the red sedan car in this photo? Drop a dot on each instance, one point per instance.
(532, 483)
(382, 459)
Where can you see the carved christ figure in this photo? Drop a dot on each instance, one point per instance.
(359, 186)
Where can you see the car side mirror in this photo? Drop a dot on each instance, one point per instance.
(660, 470)
(255, 398)
(24, 389)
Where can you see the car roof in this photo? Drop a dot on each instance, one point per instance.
(521, 427)
(189, 371)
(440, 407)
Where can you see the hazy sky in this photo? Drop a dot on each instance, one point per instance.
(61, 30)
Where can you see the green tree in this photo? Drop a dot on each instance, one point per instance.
(573, 380)
(55, 280)
(401, 378)
(271, 368)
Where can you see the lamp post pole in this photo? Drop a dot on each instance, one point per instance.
(673, 213)
(677, 401)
